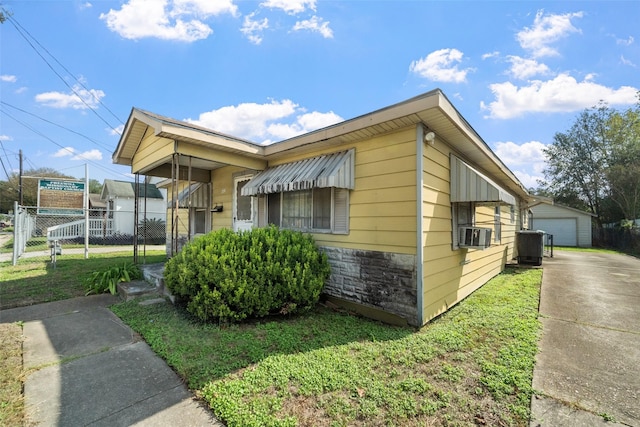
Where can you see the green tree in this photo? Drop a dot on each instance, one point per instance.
(623, 173)
(95, 187)
(595, 165)
(29, 184)
(577, 161)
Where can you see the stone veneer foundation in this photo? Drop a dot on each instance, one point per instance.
(380, 280)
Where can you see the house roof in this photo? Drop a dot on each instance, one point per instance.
(140, 120)
(432, 109)
(96, 202)
(548, 201)
(113, 188)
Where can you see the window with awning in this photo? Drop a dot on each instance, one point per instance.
(330, 170)
(309, 195)
(469, 185)
(470, 188)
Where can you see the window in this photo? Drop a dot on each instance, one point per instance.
(200, 221)
(463, 215)
(296, 210)
(273, 209)
(243, 203)
(318, 209)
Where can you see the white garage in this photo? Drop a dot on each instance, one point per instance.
(569, 226)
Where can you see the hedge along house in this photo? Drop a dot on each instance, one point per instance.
(411, 206)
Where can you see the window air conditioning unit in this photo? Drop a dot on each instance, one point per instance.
(474, 237)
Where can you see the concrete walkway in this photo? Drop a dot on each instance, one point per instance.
(588, 367)
(85, 367)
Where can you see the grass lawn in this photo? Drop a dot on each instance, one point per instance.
(11, 399)
(34, 281)
(471, 366)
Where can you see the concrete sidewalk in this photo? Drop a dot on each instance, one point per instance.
(85, 367)
(587, 369)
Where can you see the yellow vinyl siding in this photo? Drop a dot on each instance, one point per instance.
(383, 204)
(451, 275)
(152, 149)
(222, 183)
(208, 153)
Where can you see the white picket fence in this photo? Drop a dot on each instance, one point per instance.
(97, 228)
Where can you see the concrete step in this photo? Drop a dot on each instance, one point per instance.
(136, 289)
(154, 274)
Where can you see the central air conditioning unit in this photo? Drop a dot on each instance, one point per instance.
(474, 237)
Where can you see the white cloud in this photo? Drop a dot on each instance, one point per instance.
(252, 29)
(441, 66)
(5, 138)
(304, 123)
(493, 54)
(625, 42)
(527, 179)
(79, 99)
(546, 30)
(166, 19)
(315, 24)
(94, 154)
(523, 68)
(86, 5)
(561, 94)
(64, 152)
(73, 154)
(265, 123)
(625, 61)
(527, 160)
(203, 8)
(117, 131)
(8, 78)
(291, 7)
(527, 153)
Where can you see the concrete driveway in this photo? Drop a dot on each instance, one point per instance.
(588, 367)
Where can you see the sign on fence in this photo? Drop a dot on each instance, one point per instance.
(60, 197)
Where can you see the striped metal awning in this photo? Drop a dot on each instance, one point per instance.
(329, 170)
(469, 185)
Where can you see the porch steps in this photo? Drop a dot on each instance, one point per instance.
(153, 284)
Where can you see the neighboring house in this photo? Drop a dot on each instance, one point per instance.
(119, 198)
(192, 214)
(411, 206)
(97, 206)
(569, 226)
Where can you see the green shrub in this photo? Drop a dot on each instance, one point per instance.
(104, 280)
(232, 276)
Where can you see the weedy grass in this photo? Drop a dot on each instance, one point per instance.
(11, 398)
(473, 365)
(34, 281)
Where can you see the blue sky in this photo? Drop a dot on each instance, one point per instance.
(70, 71)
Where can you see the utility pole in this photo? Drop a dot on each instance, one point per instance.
(20, 180)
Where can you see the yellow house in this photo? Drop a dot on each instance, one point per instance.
(412, 207)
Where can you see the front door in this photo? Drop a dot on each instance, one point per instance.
(242, 205)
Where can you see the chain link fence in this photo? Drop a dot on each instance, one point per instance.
(621, 239)
(34, 233)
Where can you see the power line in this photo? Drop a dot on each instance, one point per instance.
(104, 146)
(22, 32)
(99, 166)
(4, 168)
(6, 155)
